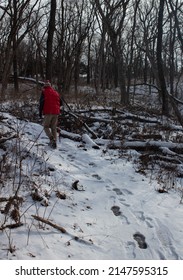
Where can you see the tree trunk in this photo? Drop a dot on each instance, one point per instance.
(15, 67)
(129, 72)
(163, 89)
(51, 29)
(177, 23)
(60, 64)
(89, 61)
(6, 68)
(100, 63)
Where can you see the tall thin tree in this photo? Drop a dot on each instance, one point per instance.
(51, 30)
(163, 89)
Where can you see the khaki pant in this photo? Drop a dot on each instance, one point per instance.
(50, 126)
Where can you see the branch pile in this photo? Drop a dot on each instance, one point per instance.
(157, 139)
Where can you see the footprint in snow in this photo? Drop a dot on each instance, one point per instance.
(116, 210)
(140, 238)
(130, 248)
(92, 164)
(71, 157)
(140, 215)
(96, 176)
(117, 191)
(127, 192)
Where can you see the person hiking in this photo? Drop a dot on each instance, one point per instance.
(49, 106)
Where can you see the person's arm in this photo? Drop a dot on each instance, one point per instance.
(41, 104)
(61, 102)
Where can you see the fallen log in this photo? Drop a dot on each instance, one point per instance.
(116, 115)
(143, 145)
(70, 135)
(78, 138)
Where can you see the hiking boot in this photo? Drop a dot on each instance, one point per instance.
(54, 144)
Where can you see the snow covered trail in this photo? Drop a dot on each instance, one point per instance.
(116, 213)
(119, 210)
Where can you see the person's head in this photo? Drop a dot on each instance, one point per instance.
(47, 83)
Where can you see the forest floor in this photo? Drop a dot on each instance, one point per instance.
(111, 190)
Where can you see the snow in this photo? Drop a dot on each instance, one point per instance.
(114, 213)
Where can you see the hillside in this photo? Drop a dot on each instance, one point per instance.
(111, 190)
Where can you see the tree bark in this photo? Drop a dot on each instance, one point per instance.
(51, 30)
(163, 89)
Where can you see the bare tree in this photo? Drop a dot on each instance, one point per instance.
(161, 76)
(100, 57)
(132, 45)
(72, 29)
(113, 14)
(174, 8)
(18, 16)
(114, 41)
(82, 27)
(51, 30)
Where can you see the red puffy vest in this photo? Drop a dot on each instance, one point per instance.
(51, 101)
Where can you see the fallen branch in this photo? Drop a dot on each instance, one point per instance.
(116, 115)
(63, 230)
(49, 223)
(34, 81)
(4, 199)
(11, 226)
(84, 124)
(4, 139)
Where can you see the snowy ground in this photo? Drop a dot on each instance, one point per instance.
(116, 213)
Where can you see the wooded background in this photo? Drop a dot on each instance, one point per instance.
(101, 43)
